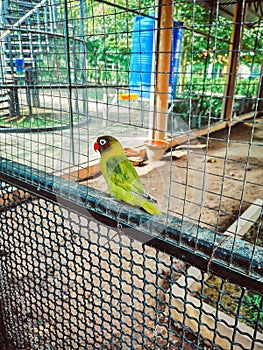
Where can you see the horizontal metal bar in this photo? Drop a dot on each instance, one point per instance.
(64, 86)
(59, 35)
(230, 258)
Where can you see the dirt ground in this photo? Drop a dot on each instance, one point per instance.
(234, 174)
(210, 186)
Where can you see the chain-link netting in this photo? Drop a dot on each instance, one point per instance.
(71, 279)
(69, 282)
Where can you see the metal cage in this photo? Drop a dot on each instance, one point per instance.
(82, 270)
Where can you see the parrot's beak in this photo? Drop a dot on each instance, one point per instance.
(96, 146)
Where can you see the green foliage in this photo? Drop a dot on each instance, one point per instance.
(253, 306)
(109, 41)
(36, 121)
(198, 83)
(247, 87)
(207, 94)
(248, 305)
(210, 107)
(107, 32)
(46, 120)
(52, 68)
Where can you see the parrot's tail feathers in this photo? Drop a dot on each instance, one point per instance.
(151, 198)
(146, 196)
(151, 209)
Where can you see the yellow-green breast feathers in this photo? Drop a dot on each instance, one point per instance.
(121, 176)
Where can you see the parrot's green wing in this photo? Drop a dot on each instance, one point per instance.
(122, 173)
(125, 184)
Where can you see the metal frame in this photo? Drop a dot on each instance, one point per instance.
(227, 256)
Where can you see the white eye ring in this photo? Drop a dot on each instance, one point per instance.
(102, 142)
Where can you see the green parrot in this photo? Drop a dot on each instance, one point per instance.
(121, 176)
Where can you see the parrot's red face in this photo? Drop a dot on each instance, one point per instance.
(103, 143)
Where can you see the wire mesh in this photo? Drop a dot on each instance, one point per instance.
(81, 270)
(70, 282)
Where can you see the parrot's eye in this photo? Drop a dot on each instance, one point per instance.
(102, 142)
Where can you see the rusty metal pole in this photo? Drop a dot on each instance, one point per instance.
(164, 45)
(233, 58)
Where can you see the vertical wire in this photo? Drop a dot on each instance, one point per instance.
(68, 65)
(209, 119)
(83, 56)
(249, 93)
(235, 326)
(250, 144)
(226, 155)
(187, 166)
(259, 228)
(259, 321)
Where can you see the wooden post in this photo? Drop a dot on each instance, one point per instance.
(233, 58)
(165, 28)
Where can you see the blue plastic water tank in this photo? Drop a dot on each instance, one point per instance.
(177, 42)
(141, 55)
(142, 51)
